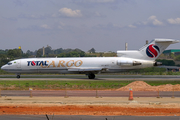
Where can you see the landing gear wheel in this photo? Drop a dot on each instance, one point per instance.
(18, 76)
(91, 76)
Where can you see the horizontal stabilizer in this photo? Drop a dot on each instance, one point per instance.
(172, 41)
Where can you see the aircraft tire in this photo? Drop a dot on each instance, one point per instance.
(91, 76)
(18, 76)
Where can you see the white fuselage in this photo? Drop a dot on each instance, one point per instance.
(75, 65)
(126, 60)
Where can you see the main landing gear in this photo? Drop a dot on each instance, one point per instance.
(91, 76)
(18, 76)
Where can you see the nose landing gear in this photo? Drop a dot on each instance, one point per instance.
(18, 76)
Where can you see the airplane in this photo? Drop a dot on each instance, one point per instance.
(125, 60)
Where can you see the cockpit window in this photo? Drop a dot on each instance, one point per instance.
(9, 63)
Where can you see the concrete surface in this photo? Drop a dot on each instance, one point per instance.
(88, 101)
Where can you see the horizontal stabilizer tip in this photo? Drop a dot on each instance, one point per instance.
(157, 40)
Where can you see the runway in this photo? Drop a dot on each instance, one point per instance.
(98, 77)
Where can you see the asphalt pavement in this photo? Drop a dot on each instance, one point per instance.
(88, 93)
(98, 77)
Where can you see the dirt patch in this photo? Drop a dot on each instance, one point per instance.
(88, 110)
(158, 110)
(143, 86)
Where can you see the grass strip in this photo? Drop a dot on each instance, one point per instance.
(73, 85)
(54, 84)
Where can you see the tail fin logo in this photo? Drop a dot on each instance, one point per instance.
(152, 51)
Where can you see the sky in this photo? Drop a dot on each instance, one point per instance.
(105, 25)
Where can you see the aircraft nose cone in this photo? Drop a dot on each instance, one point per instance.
(3, 67)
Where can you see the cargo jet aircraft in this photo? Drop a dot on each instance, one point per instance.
(125, 60)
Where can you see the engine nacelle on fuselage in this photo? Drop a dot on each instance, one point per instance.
(127, 63)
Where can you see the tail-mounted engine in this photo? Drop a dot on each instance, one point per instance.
(127, 63)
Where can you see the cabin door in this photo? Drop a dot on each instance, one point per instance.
(19, 64)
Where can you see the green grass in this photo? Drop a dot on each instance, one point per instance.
(83, 85)
(53, 84)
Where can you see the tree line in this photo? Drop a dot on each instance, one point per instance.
(11, 54)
